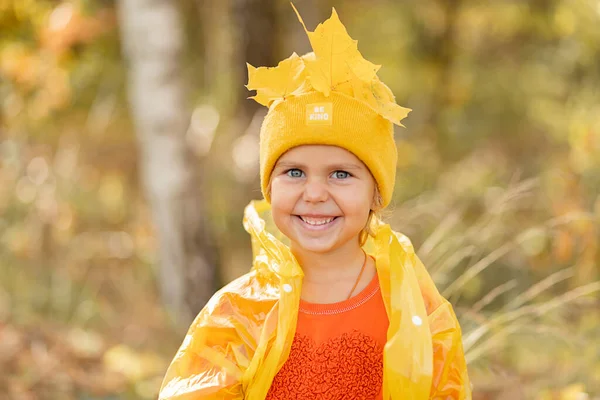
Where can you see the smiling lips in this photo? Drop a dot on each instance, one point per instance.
(316, 222)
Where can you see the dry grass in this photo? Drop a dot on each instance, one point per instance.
(480, 255)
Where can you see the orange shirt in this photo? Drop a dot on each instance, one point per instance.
(337, 351)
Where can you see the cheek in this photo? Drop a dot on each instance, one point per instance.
(356, 205)
(283, 201)
(282, 196)
(356, 202)
(360, 215)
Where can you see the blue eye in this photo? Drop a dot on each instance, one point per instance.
(295, 173)
(341, 175)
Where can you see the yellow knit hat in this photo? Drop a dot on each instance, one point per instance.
(331, 96)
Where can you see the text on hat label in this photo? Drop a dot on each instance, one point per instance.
(319, 114)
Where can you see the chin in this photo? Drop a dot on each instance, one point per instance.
(318, 248)
(319, 245)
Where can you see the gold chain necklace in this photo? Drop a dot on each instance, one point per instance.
(359, 275)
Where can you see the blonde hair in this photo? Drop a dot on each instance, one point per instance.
(374, 212)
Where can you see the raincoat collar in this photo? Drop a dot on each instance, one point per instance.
(408, 352)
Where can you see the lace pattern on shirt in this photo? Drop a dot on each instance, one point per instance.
(347, 367)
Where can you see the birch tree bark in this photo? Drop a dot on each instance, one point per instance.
(153, 41)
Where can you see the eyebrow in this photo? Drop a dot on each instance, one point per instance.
(291, 164)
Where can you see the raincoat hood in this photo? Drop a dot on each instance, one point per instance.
(243, 336)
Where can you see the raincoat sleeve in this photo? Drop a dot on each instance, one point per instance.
(450, 377)
(207, 365)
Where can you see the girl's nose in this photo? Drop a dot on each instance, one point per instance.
(315, 191)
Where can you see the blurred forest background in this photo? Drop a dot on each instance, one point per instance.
(128, 151)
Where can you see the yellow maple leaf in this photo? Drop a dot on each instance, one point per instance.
(275, 83)
(381, 99)
(337, 60)
(335, 64)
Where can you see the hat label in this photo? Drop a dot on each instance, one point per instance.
(319, 114)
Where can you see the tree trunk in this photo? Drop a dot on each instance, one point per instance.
(235, 32)
(153, 42)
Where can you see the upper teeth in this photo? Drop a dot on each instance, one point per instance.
(317, 221)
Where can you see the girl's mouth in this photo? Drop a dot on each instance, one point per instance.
(316, 223)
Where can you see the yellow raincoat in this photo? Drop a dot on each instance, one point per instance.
(242, 337)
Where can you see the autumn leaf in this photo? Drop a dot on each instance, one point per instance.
(337, 60)
(273, 83)
(335, 64)
(381, 99)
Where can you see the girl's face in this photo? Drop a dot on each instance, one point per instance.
(321, 197)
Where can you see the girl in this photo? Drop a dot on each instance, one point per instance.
(336, 305)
